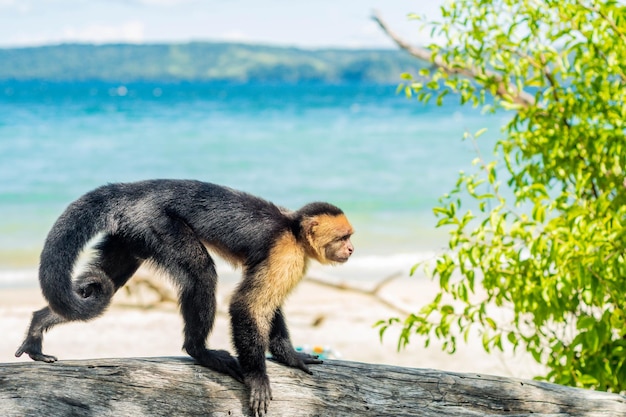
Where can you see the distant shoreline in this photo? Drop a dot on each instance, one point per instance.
(203, 61)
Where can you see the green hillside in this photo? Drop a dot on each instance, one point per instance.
(201, 61)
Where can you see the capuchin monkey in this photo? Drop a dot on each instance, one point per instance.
(171, 223)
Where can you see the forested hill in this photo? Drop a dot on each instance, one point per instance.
(202, 61)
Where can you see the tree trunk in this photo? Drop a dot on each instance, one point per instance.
(179, 387)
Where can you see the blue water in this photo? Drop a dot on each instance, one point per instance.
(381, 157)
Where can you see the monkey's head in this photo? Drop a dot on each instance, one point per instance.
(325, 232)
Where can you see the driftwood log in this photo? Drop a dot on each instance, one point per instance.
(179, 387)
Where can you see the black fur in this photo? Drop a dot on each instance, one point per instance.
(168, 222)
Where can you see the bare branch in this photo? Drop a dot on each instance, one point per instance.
(503, 90)
(374, 292)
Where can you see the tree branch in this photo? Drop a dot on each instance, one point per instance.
(504, 89)
(606, 18)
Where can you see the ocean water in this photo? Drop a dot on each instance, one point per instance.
(381, 157)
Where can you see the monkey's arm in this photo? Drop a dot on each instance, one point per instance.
(282, 349)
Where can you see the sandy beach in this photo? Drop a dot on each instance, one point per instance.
(317, 316)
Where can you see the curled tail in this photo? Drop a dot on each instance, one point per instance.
(91, 293)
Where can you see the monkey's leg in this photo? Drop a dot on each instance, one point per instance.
(115, 260)
(193, 270)
(198, 304)
(42, 321)
(252, 311)
(282, 349)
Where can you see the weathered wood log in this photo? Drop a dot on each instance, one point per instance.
(180, 387)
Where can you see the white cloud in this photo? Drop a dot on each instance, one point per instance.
(132, 31)
(307, 24)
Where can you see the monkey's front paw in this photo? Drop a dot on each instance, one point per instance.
(298, 360)
(309, 359)
(260, 394)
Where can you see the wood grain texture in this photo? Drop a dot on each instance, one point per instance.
(178, 387)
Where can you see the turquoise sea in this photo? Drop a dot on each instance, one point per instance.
(381, 157)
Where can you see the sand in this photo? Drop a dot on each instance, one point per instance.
(341, 321)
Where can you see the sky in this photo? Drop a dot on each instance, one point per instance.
(307, 24)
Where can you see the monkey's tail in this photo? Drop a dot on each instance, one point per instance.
(91, 293)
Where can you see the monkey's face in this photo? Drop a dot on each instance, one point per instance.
(329, 237)
(339, 250)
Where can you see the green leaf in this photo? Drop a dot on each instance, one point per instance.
(447, 309)
(480, 133)
(587, 380)
(586, 323)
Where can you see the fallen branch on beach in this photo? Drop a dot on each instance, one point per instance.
(372, 292)
(179, 387)
(148, 292)
(159, 292)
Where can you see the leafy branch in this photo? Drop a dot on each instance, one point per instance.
(553, 248)
(504, 88)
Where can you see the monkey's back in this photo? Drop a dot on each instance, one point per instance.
(240, 223)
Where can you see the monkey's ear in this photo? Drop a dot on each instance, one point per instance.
(309, 225)
(311, 241)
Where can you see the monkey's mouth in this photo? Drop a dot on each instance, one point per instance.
(342, 259)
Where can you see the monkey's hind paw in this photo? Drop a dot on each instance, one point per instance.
(218, 360)
(42, 357)
(227, 364)
(35, 355)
